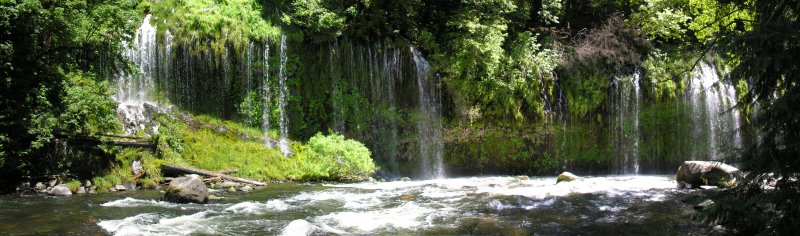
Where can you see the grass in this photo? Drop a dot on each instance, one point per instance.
(213, 144)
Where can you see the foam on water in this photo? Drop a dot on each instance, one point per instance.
(258, 208)
(299, 228)
(393, 207)
(406, 216)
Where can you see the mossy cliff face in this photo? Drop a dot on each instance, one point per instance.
(511, 102)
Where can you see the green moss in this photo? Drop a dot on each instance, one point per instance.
(230, 21)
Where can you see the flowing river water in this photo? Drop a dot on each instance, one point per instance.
(478, 205)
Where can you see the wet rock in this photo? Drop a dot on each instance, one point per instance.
(246, 188)
(187, 189)
(521, 177)
(92, 190)
(119, 187)
(719, 229)
(228, 184)
(81, 190)
(693, 174)
(566, 177)
(214, 197)
(53, 182)
(60, 190)
(703, 205)
(40, 186)
(88, 184)
(404, 179)
(232, 189)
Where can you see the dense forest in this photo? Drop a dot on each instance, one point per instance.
(487, 86)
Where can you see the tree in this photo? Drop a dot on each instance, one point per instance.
(42, 44)
(769, 59)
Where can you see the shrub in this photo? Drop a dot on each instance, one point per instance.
(74, 185)
(333, 157)
(113, 180)
(101, 184)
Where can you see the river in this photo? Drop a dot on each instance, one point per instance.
(608, 205)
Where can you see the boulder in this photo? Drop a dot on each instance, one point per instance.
(92, 190)
(405, 179)
(246, 188)
(693, 174)
(60, 190)
(187, 189)
(566, 177)
(521, 177)
(232, 189)
(81, 190)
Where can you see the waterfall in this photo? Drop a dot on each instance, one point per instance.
(625, 103)
(265, 89)
(429, 123)
(248, 72)
(715, 122)
(134, 90)
(283, 122)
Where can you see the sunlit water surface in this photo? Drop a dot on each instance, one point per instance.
(480, 205)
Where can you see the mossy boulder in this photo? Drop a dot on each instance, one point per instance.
(187, 189)
(693, 174)
(566, 177)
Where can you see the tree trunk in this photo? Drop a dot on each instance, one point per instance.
(190, 170)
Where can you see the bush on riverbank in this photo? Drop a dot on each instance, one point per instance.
(333, 157)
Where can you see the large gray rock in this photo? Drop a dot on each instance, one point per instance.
(566, 177)
(187, 189)
(60, 190)
(693, 174)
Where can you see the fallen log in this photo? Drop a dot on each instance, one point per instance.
(229, 171)
(184, 169)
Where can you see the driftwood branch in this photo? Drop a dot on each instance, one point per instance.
(184, 169)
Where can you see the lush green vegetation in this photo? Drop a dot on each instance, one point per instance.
(56, 56)
(527, 86)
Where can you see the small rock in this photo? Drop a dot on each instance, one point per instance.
(212, 186)
(119, 187)
(232, 189)
(40, 187)
(81, 190)
(214, 197)
(246, 188)
(93, 190)
(703, 205)
(88, 183)
(521, 177)
(228, 184)
(405, 179)
(566, 177)
(53, 182)
(60, 190)
(137, 168)
(719, 229)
